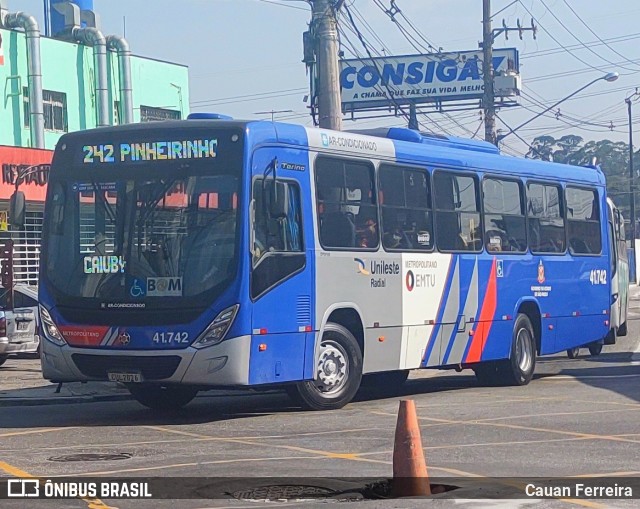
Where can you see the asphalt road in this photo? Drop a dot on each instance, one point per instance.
(577, 418)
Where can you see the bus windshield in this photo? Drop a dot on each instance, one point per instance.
(165, 238)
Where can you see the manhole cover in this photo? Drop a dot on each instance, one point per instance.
(92, 457)
(285, 491)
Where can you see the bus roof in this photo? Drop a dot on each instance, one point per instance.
(409, 147)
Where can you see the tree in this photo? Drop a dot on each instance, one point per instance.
(613, 158)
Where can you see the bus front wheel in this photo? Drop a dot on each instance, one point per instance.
(162, 397)
(338, 372)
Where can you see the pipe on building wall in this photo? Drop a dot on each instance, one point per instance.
(121, 45)
(34, 74)
(93, 37)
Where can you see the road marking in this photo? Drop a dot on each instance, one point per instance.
(485, 444)
(520, 427)
(33, 431)
(185, 465)
(577, 378)
(92, 503)
(156, 442)
(327, 454)
(555, 414)
(609, 474)
(597, 403)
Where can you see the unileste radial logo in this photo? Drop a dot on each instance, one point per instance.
(361, 267)
(410, 280)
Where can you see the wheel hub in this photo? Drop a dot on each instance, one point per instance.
(333, 368)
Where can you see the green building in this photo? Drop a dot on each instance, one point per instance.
(78, 80)
(160, 90)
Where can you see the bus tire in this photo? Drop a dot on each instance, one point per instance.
(519, 367)
(338, 372)
(573, 353)
(622, 330)
(3, 359)
(162, 397)
(595, 348)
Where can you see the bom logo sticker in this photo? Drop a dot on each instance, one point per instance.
(164, 287)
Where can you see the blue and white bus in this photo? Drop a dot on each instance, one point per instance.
(190, 255)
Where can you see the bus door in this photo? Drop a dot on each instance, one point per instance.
(281, 278)
(623, 269)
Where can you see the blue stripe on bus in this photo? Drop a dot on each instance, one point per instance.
(443, 304)
(465, 276)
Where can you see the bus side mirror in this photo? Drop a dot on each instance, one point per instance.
(17, 209)
(278, 199)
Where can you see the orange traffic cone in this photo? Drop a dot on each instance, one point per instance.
(410, 477)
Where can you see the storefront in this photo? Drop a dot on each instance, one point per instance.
(15, 162)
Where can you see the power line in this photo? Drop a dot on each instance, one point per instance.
(558, 42)
(286, 5)
(578, 39)
(596, 35)
(556, 50)
(251, 97)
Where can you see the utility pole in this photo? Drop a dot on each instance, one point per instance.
(488, 37)
(325, 27)
(632, 187)
(487, 72)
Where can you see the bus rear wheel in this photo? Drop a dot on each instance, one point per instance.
(519, 367)
(622, 330)
(3, 359)
(162, 397)
(573, 353)
(595, 348)
(338, 372)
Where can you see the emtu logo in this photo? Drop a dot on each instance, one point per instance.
(361, 267)
(410, 280)
(325, 140)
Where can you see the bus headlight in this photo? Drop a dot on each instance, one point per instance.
(216, 332)
(50, 329)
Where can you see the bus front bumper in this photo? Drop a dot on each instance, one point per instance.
(225, 364)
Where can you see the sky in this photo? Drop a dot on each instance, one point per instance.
(245, 56)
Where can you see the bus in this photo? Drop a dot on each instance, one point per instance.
(214, 253)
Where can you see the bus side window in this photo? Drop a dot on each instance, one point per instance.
(278, 249)
(504, 222)
(457, 212)
(347, 205)
(546, 218)
(583, 221)
(406, 208)
(276, 234)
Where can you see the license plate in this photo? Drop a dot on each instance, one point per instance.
(23, 325)
(125, 377)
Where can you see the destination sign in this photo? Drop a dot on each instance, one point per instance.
(150, 151)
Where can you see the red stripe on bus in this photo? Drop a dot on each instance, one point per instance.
(485, 320)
